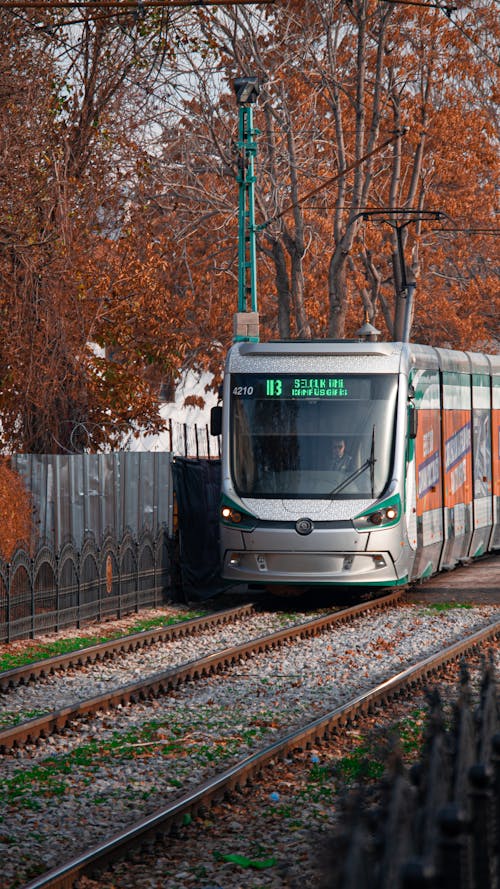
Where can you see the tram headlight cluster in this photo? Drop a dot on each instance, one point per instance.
(231, 515)
(383, 516)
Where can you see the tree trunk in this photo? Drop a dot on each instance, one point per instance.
(283, 290)
(337, 287)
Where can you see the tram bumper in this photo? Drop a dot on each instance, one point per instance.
(306, 568)
(320, 558)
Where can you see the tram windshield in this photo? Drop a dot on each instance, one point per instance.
(312, 437)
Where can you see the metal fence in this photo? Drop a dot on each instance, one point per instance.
(105, 542)
(438, 825)
(76, 585)
(181, 440)
(188, 440)
(75, 495)
(104, 528)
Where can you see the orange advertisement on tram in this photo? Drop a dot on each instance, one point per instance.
(495, 451)
(457, 457)
(428, 456)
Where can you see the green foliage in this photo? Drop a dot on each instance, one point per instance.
(243, 861)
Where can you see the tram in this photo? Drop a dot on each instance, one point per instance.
(417, 493)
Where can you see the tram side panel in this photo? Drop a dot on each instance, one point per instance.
(457, 461)
(481, 458)
(495, 415)
(428, 470)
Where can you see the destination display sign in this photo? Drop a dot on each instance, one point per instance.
(297, 387)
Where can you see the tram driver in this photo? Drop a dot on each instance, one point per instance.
(341, 460)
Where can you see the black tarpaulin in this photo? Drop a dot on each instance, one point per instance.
(197, 485)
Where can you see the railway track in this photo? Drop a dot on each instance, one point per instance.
(32, 730)
(107, 650)
(322, 728)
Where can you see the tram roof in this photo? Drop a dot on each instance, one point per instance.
(388, 356)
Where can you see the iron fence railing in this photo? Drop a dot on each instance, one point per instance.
(188, 440)
(436, 826)
(76, 585)
(181, 440)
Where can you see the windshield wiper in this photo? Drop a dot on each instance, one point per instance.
(369, 463)
(372, 462)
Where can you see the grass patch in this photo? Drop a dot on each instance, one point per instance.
(47, 778)
(448, 606)
(51, 777)
(7, 720)
(367, 762)
(40, 651)
(411, 732)
(360, 765)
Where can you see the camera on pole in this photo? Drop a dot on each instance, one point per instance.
(246, 90)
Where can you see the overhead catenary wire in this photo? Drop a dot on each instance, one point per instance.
(447, 10)
(125, 4)
(396, 135)
(470, 231)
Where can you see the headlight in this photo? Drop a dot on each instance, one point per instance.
(231, 515)
(382, 517)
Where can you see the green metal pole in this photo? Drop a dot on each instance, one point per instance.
(247, 255)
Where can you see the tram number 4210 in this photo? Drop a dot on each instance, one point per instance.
(242, 390)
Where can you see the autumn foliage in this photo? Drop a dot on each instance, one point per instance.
(118, 195)
(15, 512)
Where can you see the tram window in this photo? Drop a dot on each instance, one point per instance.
(282, 441)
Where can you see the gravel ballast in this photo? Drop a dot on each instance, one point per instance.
(69, 792)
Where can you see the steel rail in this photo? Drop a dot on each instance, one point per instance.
(79, 657)
(160, 683)
(320, 729)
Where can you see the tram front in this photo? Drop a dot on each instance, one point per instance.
(313, 464)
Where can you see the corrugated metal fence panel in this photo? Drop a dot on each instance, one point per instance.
(131, 485)
(74, 494)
